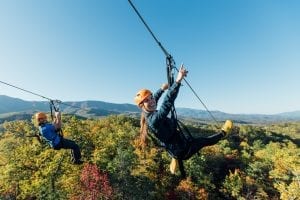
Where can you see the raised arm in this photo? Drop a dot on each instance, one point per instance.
(57, 121)
(160, 91)
(171, 94)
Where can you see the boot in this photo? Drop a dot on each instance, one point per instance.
(173, 165)
(227, 127)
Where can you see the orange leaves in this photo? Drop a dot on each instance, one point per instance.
(188, 190)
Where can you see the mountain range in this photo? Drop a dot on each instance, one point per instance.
(14, 108)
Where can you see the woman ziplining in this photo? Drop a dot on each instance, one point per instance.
(166, 129)
(169, 131)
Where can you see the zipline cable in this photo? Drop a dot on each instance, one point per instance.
(25, 90)
(170, 61)
(33, 93)
(197, 96)
(159, 44)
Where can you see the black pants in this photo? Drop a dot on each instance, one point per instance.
(70, 144)
(198, 143)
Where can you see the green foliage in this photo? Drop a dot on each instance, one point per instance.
(260, 162)
(233, 184)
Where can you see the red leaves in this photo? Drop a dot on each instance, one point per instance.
(95, 183)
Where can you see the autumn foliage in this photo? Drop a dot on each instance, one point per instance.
(260, 162)
(95, 184)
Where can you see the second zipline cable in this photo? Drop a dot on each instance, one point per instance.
(33, 93)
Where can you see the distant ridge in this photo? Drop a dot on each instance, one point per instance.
(89, 108)
(14, 108)
(10, 104)
(241, 118)
(294, 114)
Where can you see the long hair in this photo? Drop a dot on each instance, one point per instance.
(143, 130)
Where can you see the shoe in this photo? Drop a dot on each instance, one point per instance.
(173, 166)
(227, 127)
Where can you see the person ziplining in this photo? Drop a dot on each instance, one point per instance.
(52, 134)
(165, 129)
(169, 130)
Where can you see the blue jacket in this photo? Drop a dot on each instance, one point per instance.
(163, 127)
(48, 132)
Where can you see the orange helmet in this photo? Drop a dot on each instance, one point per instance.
(40, 115)
(141, 96)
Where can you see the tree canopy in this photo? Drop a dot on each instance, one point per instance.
(259, 162)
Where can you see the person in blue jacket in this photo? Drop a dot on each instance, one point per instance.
(165, 129)
(50, 132)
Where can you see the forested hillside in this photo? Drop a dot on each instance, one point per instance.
(260, 162)
(14, 108)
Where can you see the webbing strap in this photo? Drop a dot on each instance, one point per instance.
(183, 129)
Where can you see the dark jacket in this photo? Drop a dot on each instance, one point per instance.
(163, 127)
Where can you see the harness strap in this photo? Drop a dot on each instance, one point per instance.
(183, 129)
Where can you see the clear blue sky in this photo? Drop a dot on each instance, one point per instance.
(243, 56)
